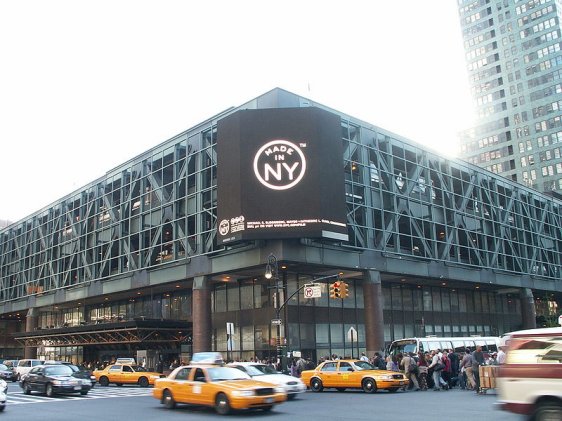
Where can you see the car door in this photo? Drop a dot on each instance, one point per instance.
(198, 386)
(34, 379)
(128, 375)
(114, 374)
(346, 376)
(328, 374)
(182, 386)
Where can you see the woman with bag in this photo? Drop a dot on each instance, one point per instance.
(437, 367)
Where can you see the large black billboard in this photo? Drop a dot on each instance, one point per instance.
(280, 175)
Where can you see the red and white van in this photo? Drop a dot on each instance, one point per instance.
(530, 382)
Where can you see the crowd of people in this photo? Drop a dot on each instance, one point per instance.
(441, 369)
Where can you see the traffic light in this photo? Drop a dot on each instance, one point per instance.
(344, 292)
(335, 290)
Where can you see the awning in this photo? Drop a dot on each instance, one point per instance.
(126, 332)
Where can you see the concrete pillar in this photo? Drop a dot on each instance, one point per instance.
(528, 311)
(201, 306)
(374, 322)
(30, 326)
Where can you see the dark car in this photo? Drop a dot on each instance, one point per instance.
(80, 371)
(54, 379)
(7, 373)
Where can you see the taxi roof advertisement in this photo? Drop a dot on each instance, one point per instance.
(280, 175)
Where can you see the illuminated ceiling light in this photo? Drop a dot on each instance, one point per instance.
(444, 283)
(419, 286)
(403, 279)
(106, 298)
(477, 287)
(139, 293)
(283, 267)
(177, 286)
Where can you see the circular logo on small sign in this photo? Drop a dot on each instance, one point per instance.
(224, 227)
(279, 164)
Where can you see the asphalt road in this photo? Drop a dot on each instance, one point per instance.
(134, 403)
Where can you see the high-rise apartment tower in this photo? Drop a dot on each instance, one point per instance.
(514, 62)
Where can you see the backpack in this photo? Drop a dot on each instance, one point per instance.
(413, 367)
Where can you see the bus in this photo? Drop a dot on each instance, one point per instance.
(457, 344)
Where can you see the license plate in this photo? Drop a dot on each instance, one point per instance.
(77, 387)
(401, 383)
(268, 400)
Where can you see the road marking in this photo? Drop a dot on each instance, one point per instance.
(19, 398)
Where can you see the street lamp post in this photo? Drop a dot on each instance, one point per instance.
(272, 272)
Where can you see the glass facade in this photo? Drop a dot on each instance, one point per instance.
(153, 219)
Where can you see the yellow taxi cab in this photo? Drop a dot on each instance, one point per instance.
(218, 386)
(126, 374)
(352, 374)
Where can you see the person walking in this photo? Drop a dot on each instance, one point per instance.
(422, 368)
(477, 361)
(410, 370)
(466, 363)
(437, 366)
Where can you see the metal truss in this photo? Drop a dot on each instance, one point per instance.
(115, 333)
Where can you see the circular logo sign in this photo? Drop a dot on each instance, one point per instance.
(224, 227)
(279, 164)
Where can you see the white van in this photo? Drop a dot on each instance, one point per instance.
(530, 381)
(24, 366)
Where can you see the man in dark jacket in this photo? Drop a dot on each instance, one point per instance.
(477, 361)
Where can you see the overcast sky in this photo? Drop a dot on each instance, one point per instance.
(87, 85)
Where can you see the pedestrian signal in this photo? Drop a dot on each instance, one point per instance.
(335, 290)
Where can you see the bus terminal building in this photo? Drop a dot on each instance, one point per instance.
(167, 254)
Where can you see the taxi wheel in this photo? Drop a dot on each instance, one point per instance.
(104, 381)
(143, 382)
(168, 400)
(369, 386)
(316, 385)
(222, 406)
(548, 411)
(49, 390)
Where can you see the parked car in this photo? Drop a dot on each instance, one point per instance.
(80, 371)
(7, 373)
(262, 372)
(25, 365)
(352, 374)
(126, 373)
(530, 381)
(54, 379)
(214, 385)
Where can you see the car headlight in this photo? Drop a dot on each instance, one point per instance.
(242, 393)
(279, 390)
(388, 377)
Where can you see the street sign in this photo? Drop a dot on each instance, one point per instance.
(275, 321)
(312, 291)
(352, 335)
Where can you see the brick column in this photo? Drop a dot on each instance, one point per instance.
(201, 307)
(30, 326)
(528, 311)
(374, 323)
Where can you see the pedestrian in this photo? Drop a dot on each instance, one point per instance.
(364, 357)
(422, 368)
(410, 370)
(502, 356)
(477, 361)
(437, 366)
(466, 364)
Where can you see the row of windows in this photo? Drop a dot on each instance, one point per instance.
(540, 53)
(534, 16)
(548, 108)
(543, 39)
(541, 26)
(545, 65)
(529, 5)
(549, 139)
(551, 123)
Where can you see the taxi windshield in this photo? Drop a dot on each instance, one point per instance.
(363, 365)
(253, 370)
(226, 373)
